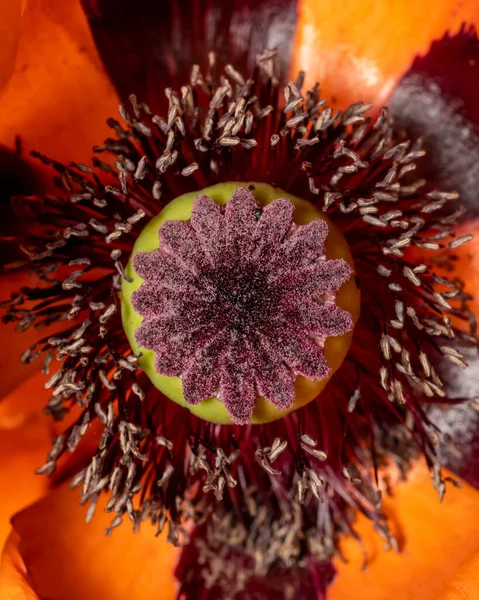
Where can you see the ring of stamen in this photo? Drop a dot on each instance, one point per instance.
(290, 483)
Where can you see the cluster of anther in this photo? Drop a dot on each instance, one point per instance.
(239, 301)
(224, 127)
(234, 560)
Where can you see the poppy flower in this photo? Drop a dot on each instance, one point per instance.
(252, 309)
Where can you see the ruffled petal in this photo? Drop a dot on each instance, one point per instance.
(25, 439)
(324, 277)
(200, 381)
(238, 392)
(168, 329)
(172, 353)
(359, 50)
(162, 269)
(202, 376)
(153, 45)
(171, 360)
(59, 96)
(325, 319)
(179, 239)
(180, 343)
(272, 227)
(302, 354)
(438, 99)
(240, 222)
(65, 558)
(274, 380)
(207, 221)
(150, 334)
(307, 243)
(150, 300)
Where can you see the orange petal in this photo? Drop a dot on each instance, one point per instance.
(465, 583)
(65, 558)
(25, 403)
(25, 439)
(358, 50)
(59, 95)
(14, 584)
(440, 547)
(9, 33)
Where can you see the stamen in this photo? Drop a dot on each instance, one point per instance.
(267, 493)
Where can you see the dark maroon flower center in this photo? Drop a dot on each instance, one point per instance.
(238, 302)
(244, 299)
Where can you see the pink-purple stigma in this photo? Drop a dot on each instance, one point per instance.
(238, 301)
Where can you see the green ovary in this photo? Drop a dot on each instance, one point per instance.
(336, 348)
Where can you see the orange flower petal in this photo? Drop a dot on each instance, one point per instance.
(59, 95)
(9, 33)
(25, 439)
(440, 547)
(24, 403)
(65, 558)
(465, 584)
(358, 50)
(14, 584)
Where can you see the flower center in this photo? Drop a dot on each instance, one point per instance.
(243, 298)
(233, 298)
